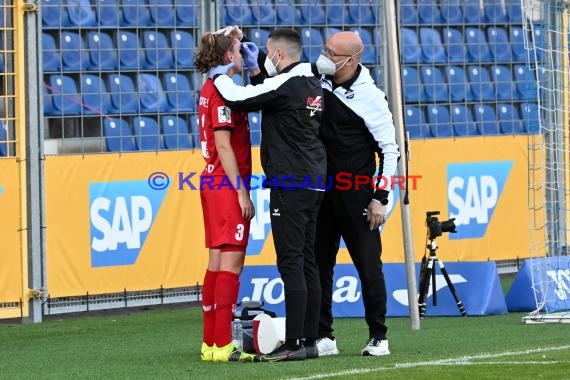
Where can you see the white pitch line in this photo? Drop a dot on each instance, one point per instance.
(449, 361)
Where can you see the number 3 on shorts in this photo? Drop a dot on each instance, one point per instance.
(239, 233)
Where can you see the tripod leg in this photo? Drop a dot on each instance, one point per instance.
(433, 284)
(452, 289)
(424, 287)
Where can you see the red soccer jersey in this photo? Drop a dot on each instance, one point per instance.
(213, 114)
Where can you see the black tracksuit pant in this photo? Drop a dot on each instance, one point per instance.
(293, 222)
(342, 213)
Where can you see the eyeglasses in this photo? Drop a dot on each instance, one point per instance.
(328, 52)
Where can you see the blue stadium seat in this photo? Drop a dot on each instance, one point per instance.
(526, 82)
(53, 14)
(259, 37)
(410, 46)
(254, 121)
(503, 81)
(50, 53)
(118, 136)
(237, 12)
(102, 54)
(313, 42)
(287, 13)
(158, 53)
(462, 120)
(481, 84)
(486, 120)
(495, 11)
(73, 54)
(162, 13)
(454, 45)
(336, 13)
(183, 46)
(539, 42)
(439, 121)
(459, 88)
(175, 132)
(362, 11)
(152, 97)
(477, 46)
(435, 87)
(432, 48)
(195, 131)
(178, 92)
(514, 11)
(187, 12)
(499, 44)
(94, 94)
(80, 13)
(263, 12)
(531, 122)
(108, 13)
(473, 13)
(312, 12)
(3, 139)
(509, 119)
(428, 12)
(413, 89)
(147, 134)
(451, 11)
(130, 54)
(408, 12)
(415, 123)
(135, 13)
(64, 95)
(124, 96)
(369, 56)
(519, 52)
(49, 109)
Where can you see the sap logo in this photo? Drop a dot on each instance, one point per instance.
(401, 295)
(261, 224)
(560, 283)
(121, 215)
(473, 191)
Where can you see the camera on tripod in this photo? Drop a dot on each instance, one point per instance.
(435, 227)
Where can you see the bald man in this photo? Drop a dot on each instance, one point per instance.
(356, 128)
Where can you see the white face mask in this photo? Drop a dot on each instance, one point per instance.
(270, 67)
(326, 66)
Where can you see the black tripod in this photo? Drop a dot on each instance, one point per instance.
(427, 273)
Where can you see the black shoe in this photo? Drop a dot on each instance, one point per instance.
(312, 351)
(283, 353)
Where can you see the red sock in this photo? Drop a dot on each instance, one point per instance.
(208, 306)
(227, 287)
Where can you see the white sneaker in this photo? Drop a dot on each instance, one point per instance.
(376, 347)
(327, 347)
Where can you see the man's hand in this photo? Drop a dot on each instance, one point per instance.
(232, 30)
(376, 214)
(220, 69)
(250, 53)
(246, 205)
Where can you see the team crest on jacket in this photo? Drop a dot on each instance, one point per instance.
(314, 104)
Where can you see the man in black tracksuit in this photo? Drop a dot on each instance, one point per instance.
(294, 161)
(356, 127)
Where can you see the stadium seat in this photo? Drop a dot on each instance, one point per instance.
(237, 12)
(53, 14)
(369, 55)
(175, 133)
(451, 11)
(259, 37)
(178, 92)
(118, 136)
(108, 13)
(459, 88)
(526, 82)
(287, 13)
(336, 12)
(152, 97)
(531, 122)
(195, 131)
(3, 139)
(454, 45)
(439, 121)
(428, 12)
(477, 46)
(473, 13)
(187, 12)
(432, 48)
(135, 13)
(147, 134)
(64, 95)
(410, 46)
(503, 83)
(435, 87)
(80, 13)
(49, 109)
(50, 54)
(312, 12)
(481, 84)
(102, 54)
(462, 120)
(519, 52)
(130, 54)
(514, 11)
(124, 96)
(313, 42)
(415, 123)
(158, 53)
(183, 46)
(413, 89)
(486, 120)
(73, 55)
(254, 121)
(408, 12)
(495, 11)
(94, 94)
(499, 44)
(538, 42)
(509, 119)
(162, 13)
(362, 11)
(263, 12)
